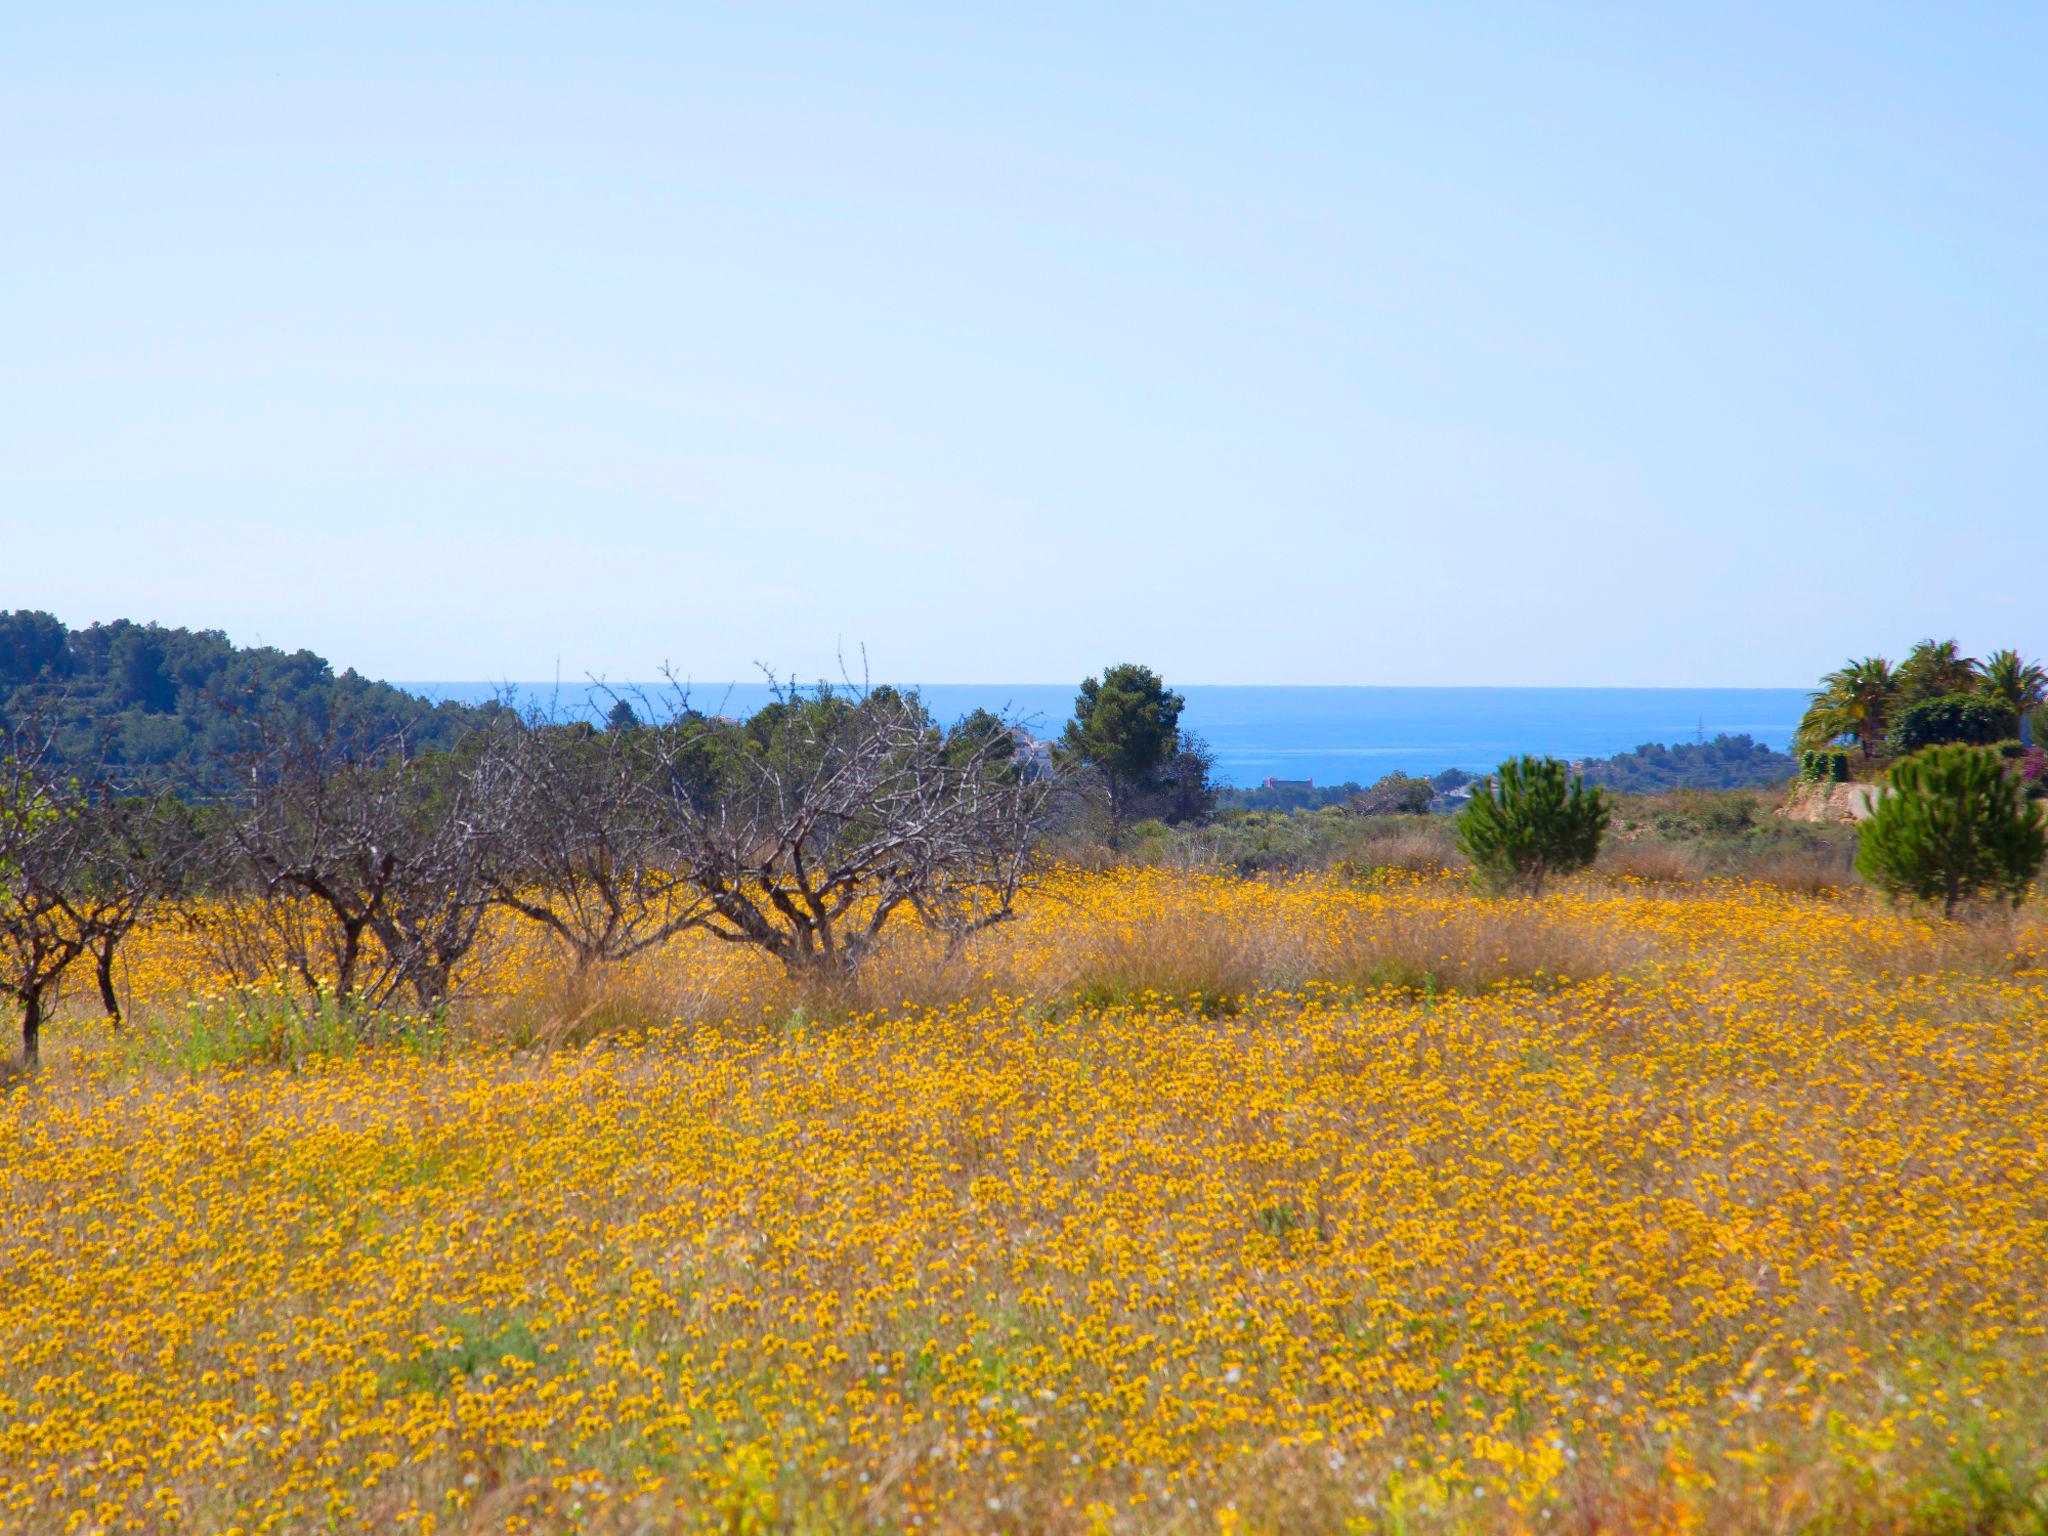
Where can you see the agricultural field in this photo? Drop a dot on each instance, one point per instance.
(1184, 1203)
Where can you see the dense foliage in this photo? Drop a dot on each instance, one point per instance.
(150, 706)
(1726, 762)
(1126, 728)
(1954, 826)
(1285, 795)
(1969, 718)
(1937, 694)
(1824, 765)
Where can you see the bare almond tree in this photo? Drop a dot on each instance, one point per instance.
(42, 864)
(828, 815)
(585, 855)
(141, 855)
(448, 832)
(377, 846)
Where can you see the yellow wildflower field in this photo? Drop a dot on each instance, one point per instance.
(1183, 1204)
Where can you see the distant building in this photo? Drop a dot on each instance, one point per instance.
(1304, 785)
(1033, 755)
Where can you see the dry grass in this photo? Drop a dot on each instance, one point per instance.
(1427, 946)
(1652, 860)
(1212, 941)
(1816, 871)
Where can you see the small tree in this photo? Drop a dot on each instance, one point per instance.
(1856, 699)
(2015, 685)
(1182, 790)
(42, 858)
(806, 831)
(1533, 819)
(446, 816)
(1954, 827)
(1935, 667)
(585, 855)
(139, 853)
(1126, 726)
(346, 839)
(1394, 794)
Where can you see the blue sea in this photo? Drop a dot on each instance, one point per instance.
(1329, 735)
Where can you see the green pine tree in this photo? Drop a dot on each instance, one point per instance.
(1954, 828)
(1533, 819)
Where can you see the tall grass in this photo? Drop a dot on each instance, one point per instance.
(1212, 939)
(273, 1026)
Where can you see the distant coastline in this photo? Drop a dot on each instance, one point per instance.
(1329, 734)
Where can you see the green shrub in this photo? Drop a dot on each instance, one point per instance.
(1824, 765)
(1954, 827)
(1949, 717)
(1394, 795)
(1531, 820)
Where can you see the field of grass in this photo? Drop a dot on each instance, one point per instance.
(1187, 1203)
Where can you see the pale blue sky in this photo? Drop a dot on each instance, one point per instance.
(1443, 344)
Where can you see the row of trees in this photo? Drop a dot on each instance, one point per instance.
(369, 870)
(1936, 695)
(327, 842)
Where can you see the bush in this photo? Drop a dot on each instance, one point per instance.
(1955, 827)
(1946, 718)
(1532, 820)
(1825, 765)
(1394, 795)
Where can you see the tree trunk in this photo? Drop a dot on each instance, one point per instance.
(103, 958)
(431, 983)
(345, 962)
(32, 1027)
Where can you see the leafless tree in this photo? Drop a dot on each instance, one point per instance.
(381, 845)
(42, 863)
(450, 836)
(140, 854)
(585, 855)
(827, 815)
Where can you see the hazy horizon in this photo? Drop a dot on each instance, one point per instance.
(1331, 733)
(415, 685)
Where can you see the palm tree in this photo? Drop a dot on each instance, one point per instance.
(2018, 684)
(1853, 700)
(1933, 668)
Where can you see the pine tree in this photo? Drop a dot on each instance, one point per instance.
(1955, 828)
(1532, 820)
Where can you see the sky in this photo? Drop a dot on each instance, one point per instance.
(1446, 344)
